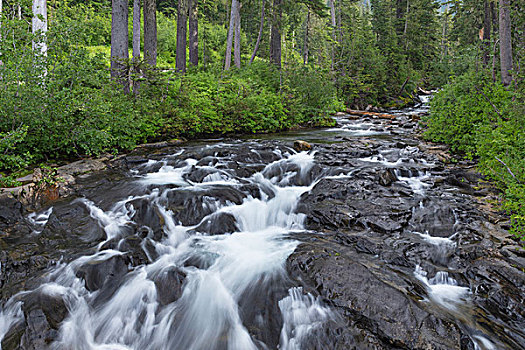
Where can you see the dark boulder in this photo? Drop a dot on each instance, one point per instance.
(383, 308)
(169, 284)
(217, 224)
(386, 177)
(44, 310)
(96, 273)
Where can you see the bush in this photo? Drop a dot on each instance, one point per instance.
(311, 95)
(65, 102)
(483, 119)
(8, 142)
(462, 109)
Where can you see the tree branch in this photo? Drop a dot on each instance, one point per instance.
(508, 169)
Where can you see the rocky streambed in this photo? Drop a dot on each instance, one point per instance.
(370, 240)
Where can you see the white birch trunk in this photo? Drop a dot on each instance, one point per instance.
(40, 27)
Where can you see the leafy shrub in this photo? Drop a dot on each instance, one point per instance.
(485, 120)
(8, 141)
(310, 94)
(462, 109)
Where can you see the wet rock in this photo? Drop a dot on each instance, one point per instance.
(11, 211)
(460, 182)
(387, 177)
(383, 223)
(20, 270)
(70, 225)
(12, 338)
(169, 285)
(136, 160)
(366, 246)
(372, 303)
(218, 223)
(133, 247)
(436, 220)
(82, 167)
(37, 335)
(148, 214)
(44, 310)
(97, 273)
(301, 146)
(499, 290)
(197, 175)
(45, 301)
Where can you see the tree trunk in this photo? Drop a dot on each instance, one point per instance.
(40, 27)
(150, 32)
(405, 30)
(136, 43)
(136, 31)
(494, 60)
(231, 30)
(119, 42)
(259, 37)
(204, 61)
(486, 33)
(182, 21)
(505, 43)
(275, 34)
(0, 24)
(494, 16)
(237, 40)
(1, 63)
(305, 44)
(332, 16)
(339, 23)
(194, 32)
(444, 34)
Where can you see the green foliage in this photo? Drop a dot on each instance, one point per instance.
(247, 100)
(462, 109)
(363, 78)
(9, 181)
(310, 95)
(483, 119)
(66, 102)
(8, 142)
(515, 206)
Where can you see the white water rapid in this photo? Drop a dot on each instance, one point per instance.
(220, 271)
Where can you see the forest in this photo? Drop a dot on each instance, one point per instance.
(83, 78)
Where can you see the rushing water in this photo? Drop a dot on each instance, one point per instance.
(216, 231)
(229, 266)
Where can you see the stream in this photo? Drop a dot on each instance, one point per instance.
(367, 241)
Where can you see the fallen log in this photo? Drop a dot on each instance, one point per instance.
(374, 115)
(423, 91)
